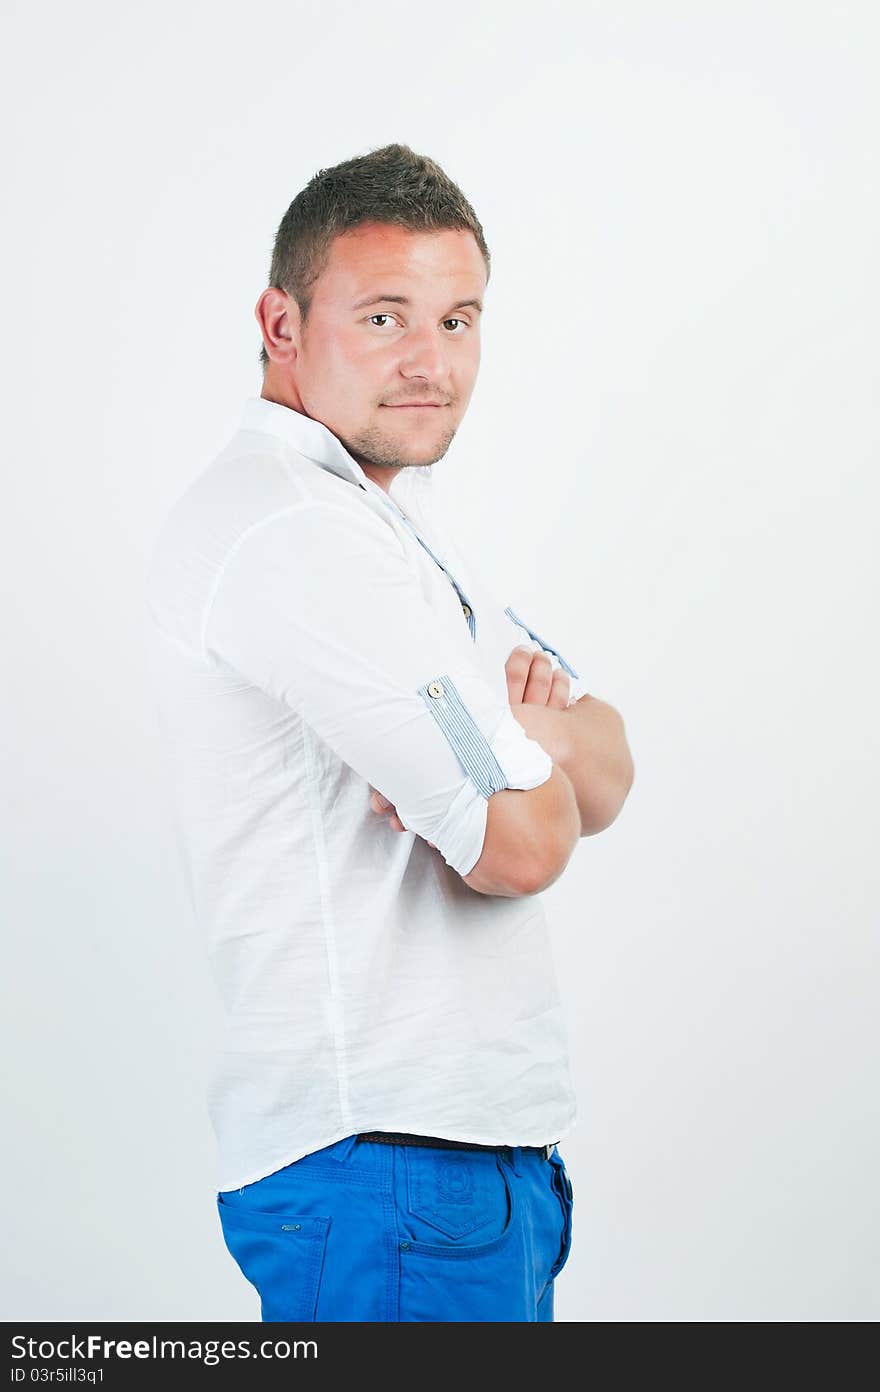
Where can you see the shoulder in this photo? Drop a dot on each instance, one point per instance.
(254, 488)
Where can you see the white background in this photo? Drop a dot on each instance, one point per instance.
(675, 431)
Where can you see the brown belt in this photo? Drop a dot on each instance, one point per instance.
(404, 1138)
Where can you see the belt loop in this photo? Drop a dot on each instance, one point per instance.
(340, 1150)
(515, 1158)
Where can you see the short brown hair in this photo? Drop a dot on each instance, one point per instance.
(392, 184)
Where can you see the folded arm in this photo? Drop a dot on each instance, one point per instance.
(587, 740)
(592, 774)
(354, 649)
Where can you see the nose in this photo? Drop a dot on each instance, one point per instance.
(424, 355)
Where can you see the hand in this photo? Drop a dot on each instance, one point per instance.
(380, 804)
(532, 680)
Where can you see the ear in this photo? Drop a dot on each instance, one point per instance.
(278, 316)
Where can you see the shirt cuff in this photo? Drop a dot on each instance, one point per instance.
(521, 762)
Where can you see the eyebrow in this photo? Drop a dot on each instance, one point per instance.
(402, 299)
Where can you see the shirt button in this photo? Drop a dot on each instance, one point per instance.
(435, 688)
(466, 610)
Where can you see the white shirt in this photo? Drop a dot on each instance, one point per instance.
(309, 637)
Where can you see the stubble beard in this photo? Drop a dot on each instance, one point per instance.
(374, 447)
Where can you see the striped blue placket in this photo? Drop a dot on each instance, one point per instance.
(466, 606)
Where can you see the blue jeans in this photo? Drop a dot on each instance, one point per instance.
(372, 1230)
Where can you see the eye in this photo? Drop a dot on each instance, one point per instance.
(462, 323)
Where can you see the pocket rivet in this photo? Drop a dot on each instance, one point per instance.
(291, 1227)
(404, 1246)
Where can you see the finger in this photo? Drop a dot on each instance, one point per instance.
(517, 670)
(396, 823)
(560, 691)
(540, 680)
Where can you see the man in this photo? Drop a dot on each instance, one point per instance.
(377, 769)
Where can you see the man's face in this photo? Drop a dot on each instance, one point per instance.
(388, 357)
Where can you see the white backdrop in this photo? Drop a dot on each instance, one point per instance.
(677, 420)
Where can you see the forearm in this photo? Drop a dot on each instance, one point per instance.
(588, 742)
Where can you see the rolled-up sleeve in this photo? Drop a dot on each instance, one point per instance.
(318, 606)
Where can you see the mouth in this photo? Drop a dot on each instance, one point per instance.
(414, 406)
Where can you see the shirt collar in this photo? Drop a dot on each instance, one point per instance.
(317, 442)
(307, 436)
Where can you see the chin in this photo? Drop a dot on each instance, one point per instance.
(425, 450)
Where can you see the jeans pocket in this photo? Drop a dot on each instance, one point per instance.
(562, 1188)
(282, 1255)
(456, 1195)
